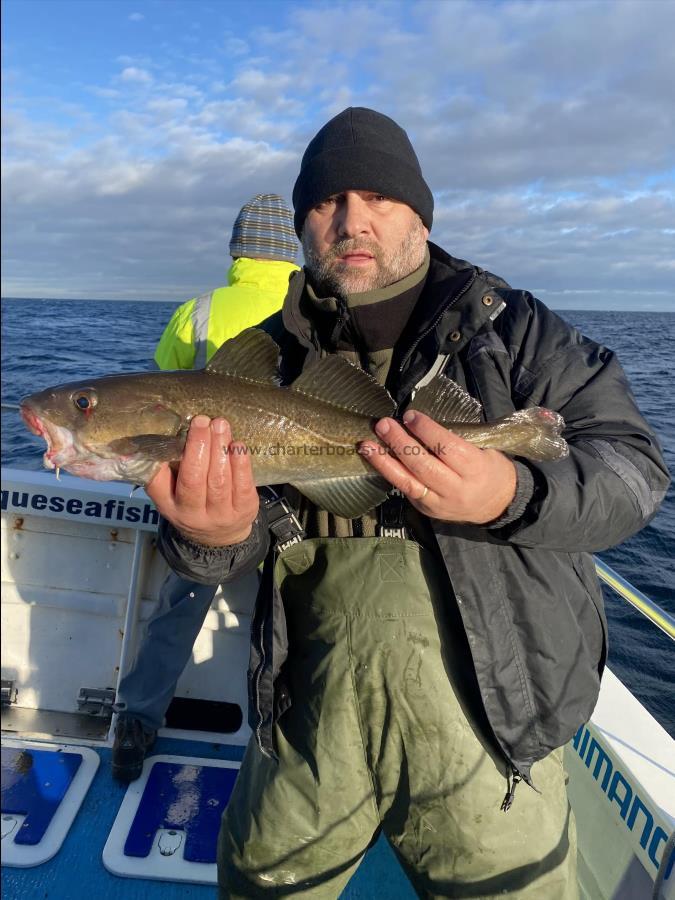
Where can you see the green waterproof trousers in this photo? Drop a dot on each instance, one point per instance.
(387, 731)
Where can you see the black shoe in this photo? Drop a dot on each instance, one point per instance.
(132, 742)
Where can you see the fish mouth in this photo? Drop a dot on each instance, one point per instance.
(61, 448)
(65, 451)
(31, 420)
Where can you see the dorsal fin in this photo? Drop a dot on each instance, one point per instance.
(446, 402)
(336, 381)
(252, 355)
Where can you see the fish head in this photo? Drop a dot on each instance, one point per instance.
(117, 428)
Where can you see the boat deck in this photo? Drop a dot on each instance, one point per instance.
(79, 863)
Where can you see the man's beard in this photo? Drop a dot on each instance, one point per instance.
(330, 276)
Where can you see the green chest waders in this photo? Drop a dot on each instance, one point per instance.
(384, 733)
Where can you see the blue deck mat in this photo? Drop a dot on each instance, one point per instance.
(34, 782)
(172, 794)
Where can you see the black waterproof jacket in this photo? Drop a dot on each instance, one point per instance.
(527, 592)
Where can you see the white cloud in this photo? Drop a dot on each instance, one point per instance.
(235, 46)
(136, 17)
(104, 92)
(133, 74)
(168, 106)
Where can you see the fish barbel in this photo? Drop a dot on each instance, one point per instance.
(124, 427)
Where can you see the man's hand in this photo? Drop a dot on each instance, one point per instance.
(212, 498)
(442, 475)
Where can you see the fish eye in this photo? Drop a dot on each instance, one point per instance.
(85, 400)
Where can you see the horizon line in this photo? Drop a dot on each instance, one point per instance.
(653, 308)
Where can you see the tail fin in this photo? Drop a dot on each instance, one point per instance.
(536, 434)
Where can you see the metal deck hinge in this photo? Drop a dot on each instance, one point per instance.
(8, 692)
(96, 701)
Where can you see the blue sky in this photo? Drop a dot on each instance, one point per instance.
(133, 132)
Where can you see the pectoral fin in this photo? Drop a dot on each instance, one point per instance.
(159, 447)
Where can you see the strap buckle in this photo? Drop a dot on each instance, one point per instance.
(391, 517)
(282, 520)
(400, 533)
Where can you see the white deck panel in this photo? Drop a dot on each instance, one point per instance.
(165, 861)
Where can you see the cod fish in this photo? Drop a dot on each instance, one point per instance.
(123, 427)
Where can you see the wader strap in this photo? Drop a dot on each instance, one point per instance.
(391, 517)
(391, 513)
(281, 519)
(435, 370)
(201, 313)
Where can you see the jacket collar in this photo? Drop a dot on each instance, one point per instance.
(457, 301)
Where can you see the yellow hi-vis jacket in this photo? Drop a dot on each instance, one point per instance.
(255, 290)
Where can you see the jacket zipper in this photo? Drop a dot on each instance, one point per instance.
(516, 778)
(343, 316)
(258, 673)
(435, 322)
(260, 634)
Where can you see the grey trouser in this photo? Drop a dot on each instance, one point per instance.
(146, 691)
(386, 732)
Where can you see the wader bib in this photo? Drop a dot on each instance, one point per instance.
(385, 732)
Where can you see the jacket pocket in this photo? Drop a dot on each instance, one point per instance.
(488, 366)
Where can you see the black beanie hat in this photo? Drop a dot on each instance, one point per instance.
(361, 150)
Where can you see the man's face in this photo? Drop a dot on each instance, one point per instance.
(359, 241)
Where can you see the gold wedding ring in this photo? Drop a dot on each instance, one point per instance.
(424, 493)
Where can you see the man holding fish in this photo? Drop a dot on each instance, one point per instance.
(416, 652)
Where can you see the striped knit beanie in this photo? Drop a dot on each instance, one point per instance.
(264, 230)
